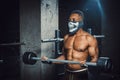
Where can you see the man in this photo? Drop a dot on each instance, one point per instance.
(78, 45)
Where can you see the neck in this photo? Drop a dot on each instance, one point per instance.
(80, 30)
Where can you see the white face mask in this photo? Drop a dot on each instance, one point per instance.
(74, 26)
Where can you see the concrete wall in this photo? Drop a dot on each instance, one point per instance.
(30, 34)
(38, 20)
(49, 23)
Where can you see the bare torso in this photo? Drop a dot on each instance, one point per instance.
(76, 49)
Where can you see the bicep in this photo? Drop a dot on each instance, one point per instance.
(93, 50)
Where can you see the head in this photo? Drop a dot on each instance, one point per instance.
(75, 21)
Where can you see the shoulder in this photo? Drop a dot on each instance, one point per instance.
(91, 39)
(89, 36)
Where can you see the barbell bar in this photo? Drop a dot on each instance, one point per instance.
(52, 40)
(61, 39)
(103, 63)
(99, 36)
(65, 61)
(12, 44)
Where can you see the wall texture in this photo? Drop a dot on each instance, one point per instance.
(49, 23)
(38, 20)
(30, 34)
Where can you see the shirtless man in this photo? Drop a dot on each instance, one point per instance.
(78, 44)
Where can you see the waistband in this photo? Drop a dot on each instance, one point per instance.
(81, 70)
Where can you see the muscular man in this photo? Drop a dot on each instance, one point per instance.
(78, 45)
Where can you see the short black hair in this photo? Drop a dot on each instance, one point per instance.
(78, 12)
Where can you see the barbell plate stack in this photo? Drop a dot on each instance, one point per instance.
(27, 58)
(104, 64)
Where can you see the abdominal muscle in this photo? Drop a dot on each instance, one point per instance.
(76, 56)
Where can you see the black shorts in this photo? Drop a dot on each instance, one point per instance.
(76, 75)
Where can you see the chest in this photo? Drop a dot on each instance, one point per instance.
(79, 43)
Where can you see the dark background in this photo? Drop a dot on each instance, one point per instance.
(106, 23)
(10, 31)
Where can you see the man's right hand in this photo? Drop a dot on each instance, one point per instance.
(44, 59)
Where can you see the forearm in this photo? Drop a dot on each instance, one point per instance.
(94, 59)
(62, 57)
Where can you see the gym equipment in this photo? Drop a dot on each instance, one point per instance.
(12, 44)
(57, 39)
(103, 63)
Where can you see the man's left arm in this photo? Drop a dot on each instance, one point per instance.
(93, 49)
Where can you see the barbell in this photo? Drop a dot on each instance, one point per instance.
(12, 44)
(61, 39)
(103, 63)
